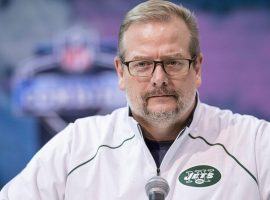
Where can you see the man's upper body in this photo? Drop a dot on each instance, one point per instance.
(217, 156)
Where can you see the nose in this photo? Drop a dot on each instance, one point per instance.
(159, 76)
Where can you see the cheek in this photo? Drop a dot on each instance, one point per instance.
(135, 88)
(185, 85)
(130, 87)
(135, 84)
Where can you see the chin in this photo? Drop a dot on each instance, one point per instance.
(162, 108)
(161, 115)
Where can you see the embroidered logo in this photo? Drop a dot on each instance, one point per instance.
(200, 176)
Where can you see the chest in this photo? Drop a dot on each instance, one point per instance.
(194, 171)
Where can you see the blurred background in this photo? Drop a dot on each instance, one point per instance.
(56, 64)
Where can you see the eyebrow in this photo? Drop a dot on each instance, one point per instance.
(141, 58)
(169, 56)
(175, 55)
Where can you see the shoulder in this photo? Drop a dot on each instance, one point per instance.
(226, 127)
(222, 119)
(83, 137)
(97, 120)
(99, 128)
(99, 125)
(88, 134)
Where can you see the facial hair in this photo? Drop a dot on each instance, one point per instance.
(183, 103)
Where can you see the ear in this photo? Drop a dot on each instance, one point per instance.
(120, 72)
(198, 70)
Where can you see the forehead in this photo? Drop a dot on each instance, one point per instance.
(156, 38)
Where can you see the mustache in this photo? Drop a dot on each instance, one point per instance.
(162, 91)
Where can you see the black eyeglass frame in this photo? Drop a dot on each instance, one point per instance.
(159, 62)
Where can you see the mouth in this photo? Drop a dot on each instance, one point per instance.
(162, 96)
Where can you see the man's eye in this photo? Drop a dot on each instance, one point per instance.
(175, 63)
(143, 64)
(171, 62)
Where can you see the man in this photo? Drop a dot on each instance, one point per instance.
(201, 151)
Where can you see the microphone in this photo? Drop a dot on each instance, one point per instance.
(157, 188)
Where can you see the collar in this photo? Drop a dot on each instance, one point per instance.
(190, 118)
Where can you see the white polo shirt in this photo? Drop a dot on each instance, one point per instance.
(220, 156)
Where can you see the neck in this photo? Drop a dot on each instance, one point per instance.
(161, 133)
(165, 130)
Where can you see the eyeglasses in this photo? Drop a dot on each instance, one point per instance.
(146, 68)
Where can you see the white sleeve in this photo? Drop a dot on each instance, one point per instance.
(262, 149)
(45, 175)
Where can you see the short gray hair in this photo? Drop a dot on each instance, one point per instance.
(160, 10)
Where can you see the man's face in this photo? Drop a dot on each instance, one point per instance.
(159, 97)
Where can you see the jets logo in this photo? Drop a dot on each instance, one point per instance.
(200, 176)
